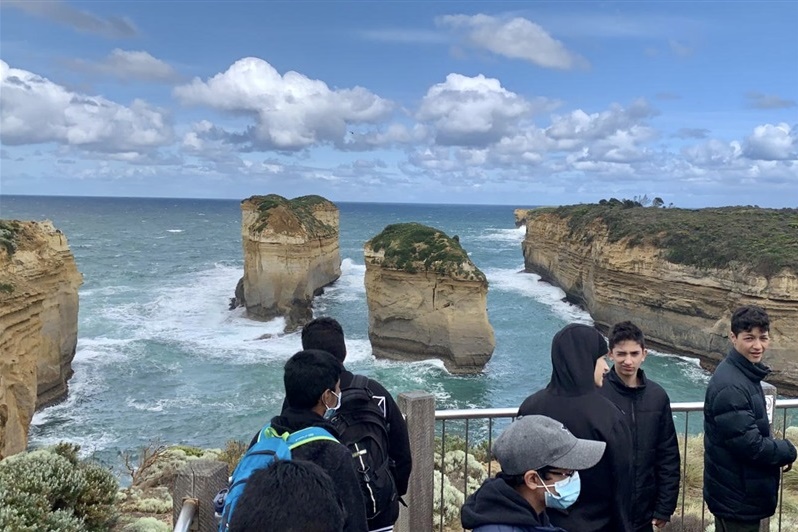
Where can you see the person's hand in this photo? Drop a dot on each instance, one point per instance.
(659, 523)
(787, 468)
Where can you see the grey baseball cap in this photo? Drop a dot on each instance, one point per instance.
(534, 442)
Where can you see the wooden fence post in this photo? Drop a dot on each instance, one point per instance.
(201, 480)
(419, 410)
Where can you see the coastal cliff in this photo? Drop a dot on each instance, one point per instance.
(677, 273)
(291, 252)
(426, 299)
(39, 284)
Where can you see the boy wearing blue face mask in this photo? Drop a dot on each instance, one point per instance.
(540, 460)
(312, 382)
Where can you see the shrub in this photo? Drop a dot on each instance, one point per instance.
(50, 489)
(764, 241)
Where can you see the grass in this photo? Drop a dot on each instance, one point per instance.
(302, 207)
(9, 231)
(765, 241)
(414, 247)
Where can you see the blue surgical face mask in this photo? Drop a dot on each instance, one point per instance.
(330, 412)
(568, 489)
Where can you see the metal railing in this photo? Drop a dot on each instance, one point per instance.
(474, 430)
(186, 517)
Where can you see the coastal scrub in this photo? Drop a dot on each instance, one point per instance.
(414, 247)
(302, 208)
(762, 240)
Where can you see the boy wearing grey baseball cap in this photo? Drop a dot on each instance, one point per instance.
(540, 460)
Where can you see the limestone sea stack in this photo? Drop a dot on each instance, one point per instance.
(426, 299)
(291, 251)
(677, 273)
(39, 284)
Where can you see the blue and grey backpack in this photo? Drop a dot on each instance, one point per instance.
(270, 446)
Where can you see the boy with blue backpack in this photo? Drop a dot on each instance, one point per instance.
(371, 425)
(303, 432)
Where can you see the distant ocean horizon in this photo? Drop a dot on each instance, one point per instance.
(160, 356)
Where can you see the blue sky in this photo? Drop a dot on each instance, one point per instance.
(518, 103)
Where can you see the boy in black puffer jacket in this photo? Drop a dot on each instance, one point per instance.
(647, 409)
(741, 457)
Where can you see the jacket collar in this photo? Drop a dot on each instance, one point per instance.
(754, 372)
(294, 419)
(615, 380)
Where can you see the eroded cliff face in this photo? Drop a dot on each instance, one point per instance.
(680, 308)
(39, 284)
(291, 251)
(428, 314)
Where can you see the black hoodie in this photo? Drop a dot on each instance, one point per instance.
(333, 457)
(497, 507)
(571, 397)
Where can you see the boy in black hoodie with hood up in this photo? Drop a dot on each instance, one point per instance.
(313, 392)
(572, 398)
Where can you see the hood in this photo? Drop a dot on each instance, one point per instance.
(496, 503)
(574, 351)
(294, 419)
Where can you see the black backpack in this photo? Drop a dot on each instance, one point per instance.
(361, 422)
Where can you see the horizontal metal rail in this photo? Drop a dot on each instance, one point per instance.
(485, 413)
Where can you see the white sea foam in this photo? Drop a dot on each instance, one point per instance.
(174, 230)
(512, 236)
(530, 285)
(348, 287)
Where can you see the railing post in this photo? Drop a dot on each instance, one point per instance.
(201, 480)
(419, 410)
(770, 405)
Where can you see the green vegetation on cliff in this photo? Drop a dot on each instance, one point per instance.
(9, 230)
(303, 208)
(412, 247)
(764, 240)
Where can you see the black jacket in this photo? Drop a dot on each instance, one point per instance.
(571, 397)
(497, 507)
(655, 469)
(741, 459)
(398, 444)
(333, 457)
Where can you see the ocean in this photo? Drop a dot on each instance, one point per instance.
(160, 358)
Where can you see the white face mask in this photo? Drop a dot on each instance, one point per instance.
(330, 412)
(568, 489)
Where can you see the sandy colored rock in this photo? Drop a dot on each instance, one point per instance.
(291, 251)
(428, 306)
(520, 216)
(39, 284)
(681, 309)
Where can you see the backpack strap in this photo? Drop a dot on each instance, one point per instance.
(300, 437)
(307, 435)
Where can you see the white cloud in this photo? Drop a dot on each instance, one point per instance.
(516, 38)
(772, 143)
(468, 111)
(130, 65)
(36, 110)
(291, 111)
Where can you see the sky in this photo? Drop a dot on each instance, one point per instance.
(511, 103)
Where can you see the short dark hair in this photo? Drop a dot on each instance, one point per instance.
(308, 374)
(626, 330)
(325, 334)
(289, 496)
(748, 317)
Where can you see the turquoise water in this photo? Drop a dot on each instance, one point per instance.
(160, 356)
